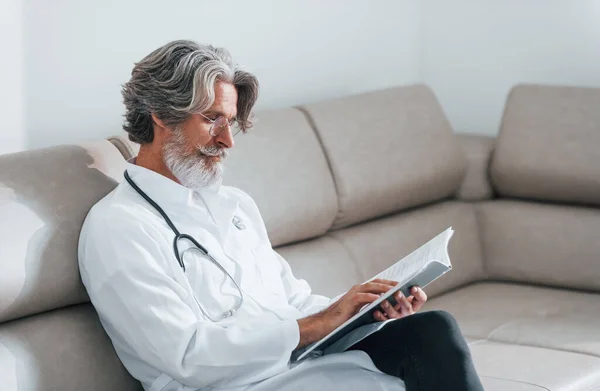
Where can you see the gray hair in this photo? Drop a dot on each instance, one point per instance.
(176, 81)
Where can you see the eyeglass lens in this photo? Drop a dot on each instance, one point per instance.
(221, 123)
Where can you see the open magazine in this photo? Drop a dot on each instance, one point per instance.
(421, 267)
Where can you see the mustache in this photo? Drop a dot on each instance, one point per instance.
(212, 150)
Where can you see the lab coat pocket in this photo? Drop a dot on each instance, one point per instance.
(269, 268)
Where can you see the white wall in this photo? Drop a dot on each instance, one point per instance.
(78, 53)
(473, 51)
(12, 132)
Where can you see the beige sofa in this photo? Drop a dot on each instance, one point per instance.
(347, 187)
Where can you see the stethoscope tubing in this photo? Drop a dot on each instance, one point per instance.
(201, 248)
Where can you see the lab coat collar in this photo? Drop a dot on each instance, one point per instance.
(169, 194)
(164, 191)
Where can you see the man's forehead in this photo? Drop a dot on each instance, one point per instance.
(225, 103)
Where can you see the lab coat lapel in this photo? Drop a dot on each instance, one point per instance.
(222, 209)
(237, 246)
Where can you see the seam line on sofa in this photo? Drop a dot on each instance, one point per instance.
(516, 381)
(478, 221)
(334, 177)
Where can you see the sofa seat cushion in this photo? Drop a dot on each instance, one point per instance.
(542, 336)
(495, 384)
(526, 315)
(510, 367)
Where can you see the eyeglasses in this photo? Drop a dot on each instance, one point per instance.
(221, 123)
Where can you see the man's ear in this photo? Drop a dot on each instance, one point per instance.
(158, 122)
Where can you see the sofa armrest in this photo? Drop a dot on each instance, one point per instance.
(476, 185)
(127, 148)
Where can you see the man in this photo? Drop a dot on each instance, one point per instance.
(183, 276)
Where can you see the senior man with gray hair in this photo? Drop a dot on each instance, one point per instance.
(183, 275)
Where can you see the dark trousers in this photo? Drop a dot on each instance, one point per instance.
(426, 350)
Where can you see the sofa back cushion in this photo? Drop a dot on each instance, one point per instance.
(549, 145)
(325, 263)
(281, 164)
(541, 243)
(44, 197)
(336, 261)
(378, 244)
(476, 184)
(388, 151)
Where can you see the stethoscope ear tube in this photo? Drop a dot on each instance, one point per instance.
(151, 202)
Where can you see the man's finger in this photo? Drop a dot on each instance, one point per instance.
(390, 311)
(419, 294)
(419, 298)
(388, 282)
(365, 297)
(374, 287)
(378, 315)
(402, 304)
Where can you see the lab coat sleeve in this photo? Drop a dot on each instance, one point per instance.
(299, 293)
(147, 315)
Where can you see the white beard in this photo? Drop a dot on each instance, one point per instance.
(194, 170)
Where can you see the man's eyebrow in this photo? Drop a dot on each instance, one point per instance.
(217, 113)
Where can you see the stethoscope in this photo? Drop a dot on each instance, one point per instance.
(197, 246)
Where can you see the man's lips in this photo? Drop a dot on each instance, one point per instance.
(214, 157)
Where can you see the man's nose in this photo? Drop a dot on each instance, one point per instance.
(225, 138)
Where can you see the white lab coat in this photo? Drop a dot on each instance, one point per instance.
(146, 302)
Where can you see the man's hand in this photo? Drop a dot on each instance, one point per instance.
(404, 305)
(317, 326)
